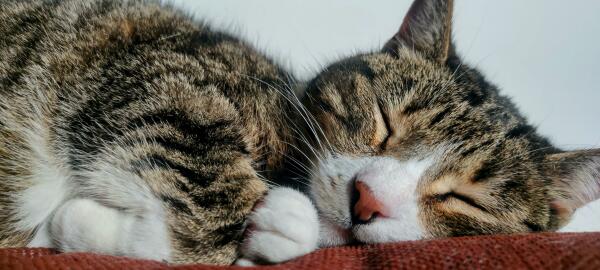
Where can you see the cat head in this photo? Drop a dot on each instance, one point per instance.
(412, 143)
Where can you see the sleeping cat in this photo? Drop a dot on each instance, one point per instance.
(130, 129)
(127, 128)
(414, 144)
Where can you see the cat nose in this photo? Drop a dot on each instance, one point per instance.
(367, 207)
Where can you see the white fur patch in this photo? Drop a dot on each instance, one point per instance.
(393, 183)
(138, 227)
(85, 225)
(114, 213)
(284, 226)
(48, 187)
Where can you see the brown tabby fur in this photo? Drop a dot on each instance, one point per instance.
(197, 114)
(194, 111)
(497, 175)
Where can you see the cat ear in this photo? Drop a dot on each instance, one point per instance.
(426, 28)
(575, 179)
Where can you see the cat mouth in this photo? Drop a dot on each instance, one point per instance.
(378, 229)
(352, 231)
(351, 235)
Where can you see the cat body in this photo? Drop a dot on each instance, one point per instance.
(133, 106)
(133, 113)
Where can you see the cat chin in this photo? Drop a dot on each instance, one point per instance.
(386, 230)
(380, 230)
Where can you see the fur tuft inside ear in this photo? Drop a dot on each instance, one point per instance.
(575, 179)
(426, 28)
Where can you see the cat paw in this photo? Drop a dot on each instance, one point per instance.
(283, 226)
(82, 225)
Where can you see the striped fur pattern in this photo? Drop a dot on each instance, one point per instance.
(138, 107)
(130, 115)
(411, 143)
(415, 98)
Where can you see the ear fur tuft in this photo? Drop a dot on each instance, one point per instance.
(427, 28)
(575, 177)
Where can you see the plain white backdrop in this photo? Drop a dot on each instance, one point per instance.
(543, 53)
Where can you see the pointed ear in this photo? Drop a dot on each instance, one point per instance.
(426, 28)
(575, 179)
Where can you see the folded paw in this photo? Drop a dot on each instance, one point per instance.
(85, 225)
(282, 227)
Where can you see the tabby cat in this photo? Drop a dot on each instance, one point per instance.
(128, 128)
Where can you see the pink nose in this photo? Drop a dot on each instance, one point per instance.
(367, 207)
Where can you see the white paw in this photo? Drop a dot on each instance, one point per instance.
(85, 225)
(282, 227)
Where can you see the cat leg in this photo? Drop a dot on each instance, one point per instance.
(185, 154)
(282, 227)
(86, 225)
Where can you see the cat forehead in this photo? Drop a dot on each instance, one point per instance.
(407, 63)
(378, 73)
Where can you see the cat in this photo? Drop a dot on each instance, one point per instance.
(128, 128)
(412, 143)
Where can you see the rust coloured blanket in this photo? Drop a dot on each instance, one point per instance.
(531, 251)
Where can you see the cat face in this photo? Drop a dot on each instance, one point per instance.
(411, 143)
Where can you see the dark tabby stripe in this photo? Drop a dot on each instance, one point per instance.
(228, 233)
(470, 150)
(533, 227)
(519, 131)
(415, 106)
(177, 204)
(476, 98)
(193, 175)
(484, 172)
(440, 116)
(27, 49)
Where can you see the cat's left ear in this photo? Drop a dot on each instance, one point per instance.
(575, 177)
(427, 28)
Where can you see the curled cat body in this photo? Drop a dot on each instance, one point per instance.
(128, 128)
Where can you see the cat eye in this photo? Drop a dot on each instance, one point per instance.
(383, 128)
(465, 199)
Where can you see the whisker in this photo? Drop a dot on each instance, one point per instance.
(294, 104)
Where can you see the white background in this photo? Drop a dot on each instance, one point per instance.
(543, 53)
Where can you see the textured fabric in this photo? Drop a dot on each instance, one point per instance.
(532, 251)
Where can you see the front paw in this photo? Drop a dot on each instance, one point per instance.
(84, 225)
(282, 227)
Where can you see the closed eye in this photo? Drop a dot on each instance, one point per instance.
(384, 134)
(465, 199)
